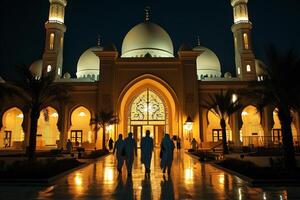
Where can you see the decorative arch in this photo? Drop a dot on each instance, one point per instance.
(12, 130)
(214, 132)
(159, 87)
(252, 131)
(47, 130)
(80, 130)
(277, 132)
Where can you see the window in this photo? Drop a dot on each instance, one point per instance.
(248, 68)
(246, 41)
(234, 98)
(49, 68)
(146, 107)
(51, 42)
(239, 70)
(59, 71)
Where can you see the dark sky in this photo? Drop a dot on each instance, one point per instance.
(22, 27)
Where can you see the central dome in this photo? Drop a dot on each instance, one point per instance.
(147, 38)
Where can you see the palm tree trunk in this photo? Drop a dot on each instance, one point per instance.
(34, 116)
(103, 139)
(287, 140)
(224, 139)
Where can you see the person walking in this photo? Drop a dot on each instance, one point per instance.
(110, 144)
(69, 146)
(130, 152)
(167, 147)
(120, 152)
(194, 144)
(146, 151)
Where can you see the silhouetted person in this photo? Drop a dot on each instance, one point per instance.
(194, 144)
(167, 147)
(146, 151)
(178, 143)
(130, 152)
(110, 144)
(69, 146)
(120, 152)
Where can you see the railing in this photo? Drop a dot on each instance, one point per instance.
(250, 143)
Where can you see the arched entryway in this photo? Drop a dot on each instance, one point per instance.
(12, 134)
(80, 130)
(214, 131)
(277, 132)
(252, 132)
(148, 104)
(47, 131)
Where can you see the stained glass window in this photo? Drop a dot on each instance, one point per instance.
(147, 108)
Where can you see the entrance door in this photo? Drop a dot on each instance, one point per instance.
(7, 139)
(76, 136)
(156, 132)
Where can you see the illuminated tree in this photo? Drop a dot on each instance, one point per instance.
(223, 105)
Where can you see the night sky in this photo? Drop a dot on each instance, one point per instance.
(23, 33)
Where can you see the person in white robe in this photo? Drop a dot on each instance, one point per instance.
(120, 152)
(167, 148)
(146, 151)
(130, 151)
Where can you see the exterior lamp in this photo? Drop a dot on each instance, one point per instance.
(188, 126)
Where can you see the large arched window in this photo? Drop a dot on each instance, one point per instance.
(147, 108)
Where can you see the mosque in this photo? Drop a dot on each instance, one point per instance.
(148, 86)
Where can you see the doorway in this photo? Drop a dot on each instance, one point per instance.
(156, 132)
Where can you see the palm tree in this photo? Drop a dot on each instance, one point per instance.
(281, 90)
(37, 93)
(102, 120)
(223, 106)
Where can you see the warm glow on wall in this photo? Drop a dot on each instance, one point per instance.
(82, 114)
(20, 116)
(54, 115)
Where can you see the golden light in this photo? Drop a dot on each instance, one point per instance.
(188, 125)
(244, 113)
(20, 116)
(234, 98)
(54, 115)
(78, 179)
(109, 128)
(108, 175)
(222, 179)
(189, 174)
(82, 114)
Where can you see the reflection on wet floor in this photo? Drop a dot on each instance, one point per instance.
(189, 180)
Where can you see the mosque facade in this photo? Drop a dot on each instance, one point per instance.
(148, 86)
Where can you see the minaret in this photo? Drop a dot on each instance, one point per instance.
(244, 57)
(55, 29)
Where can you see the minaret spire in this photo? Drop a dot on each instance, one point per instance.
(198, 41)
(147, 13)
(99, 41)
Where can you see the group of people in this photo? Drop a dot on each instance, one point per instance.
(126, 150)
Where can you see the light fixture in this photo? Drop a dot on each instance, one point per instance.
(188, 125)
(20, 116)
(234, 98)
(82, 114)
(244, 113)
(54, 115)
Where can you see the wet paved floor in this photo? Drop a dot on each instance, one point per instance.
(189, 180)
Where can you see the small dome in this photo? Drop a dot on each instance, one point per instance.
(208, 64)
(36, 68)
(88, 65)
(67, 75)
(147, 37)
